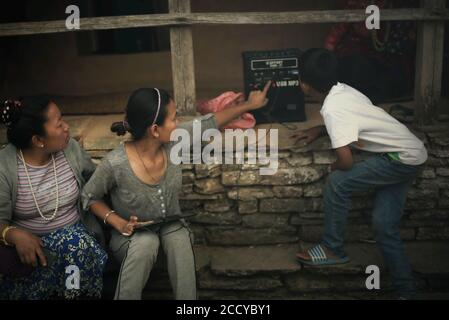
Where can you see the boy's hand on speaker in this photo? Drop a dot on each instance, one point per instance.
(258, 99)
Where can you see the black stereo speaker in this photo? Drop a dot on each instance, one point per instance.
(286, 100)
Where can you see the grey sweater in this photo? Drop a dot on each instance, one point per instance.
(79, 161)
(131, 196)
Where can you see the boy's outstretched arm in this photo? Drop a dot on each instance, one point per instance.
(344, 159)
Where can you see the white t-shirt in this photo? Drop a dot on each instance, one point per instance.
(352, 119)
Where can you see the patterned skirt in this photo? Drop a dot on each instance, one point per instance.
(75, 268)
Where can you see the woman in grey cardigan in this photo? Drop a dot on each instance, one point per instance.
(42, 172)
(143, 184)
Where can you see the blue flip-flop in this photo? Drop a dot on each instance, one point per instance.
(319, 258)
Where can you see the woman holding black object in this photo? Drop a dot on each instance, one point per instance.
(143, 185)
(42, 172)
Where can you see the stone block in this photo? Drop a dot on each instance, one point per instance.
(209, 186)
(245, 237)
(246, 194)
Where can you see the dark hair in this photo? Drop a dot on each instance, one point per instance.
(140, 112)
(319, 69)
(24, 118)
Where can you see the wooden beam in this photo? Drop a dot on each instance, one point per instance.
(182, 61)
(186, 19)
(429, 65)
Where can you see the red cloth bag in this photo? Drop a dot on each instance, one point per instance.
(226, 100)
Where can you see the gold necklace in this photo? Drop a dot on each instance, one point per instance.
(146, 169)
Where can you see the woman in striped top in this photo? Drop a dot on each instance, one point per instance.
(40, 214)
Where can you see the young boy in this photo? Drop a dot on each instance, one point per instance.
(351, 120)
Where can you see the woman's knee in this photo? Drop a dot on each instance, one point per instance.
(146, 244)
(178, 242)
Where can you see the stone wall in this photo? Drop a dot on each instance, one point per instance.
(237, 206)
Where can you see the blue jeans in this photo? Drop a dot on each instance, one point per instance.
(391, 180)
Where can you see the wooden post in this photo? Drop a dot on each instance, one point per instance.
(429, 65)
(182, 62)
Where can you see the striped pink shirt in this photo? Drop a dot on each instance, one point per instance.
(42, 178)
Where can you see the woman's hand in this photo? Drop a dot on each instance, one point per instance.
(28, 247)
(126, 228)
(110, 217)
(258, 99)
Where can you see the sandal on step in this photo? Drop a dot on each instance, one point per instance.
(319, 258)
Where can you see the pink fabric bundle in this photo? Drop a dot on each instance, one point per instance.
(228, 100)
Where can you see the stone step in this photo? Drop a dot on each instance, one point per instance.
(426, 257)
(272, 272)
(249, 261)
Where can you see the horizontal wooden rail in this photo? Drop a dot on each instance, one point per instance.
(188, 19)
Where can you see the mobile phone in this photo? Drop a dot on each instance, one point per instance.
(50, 256)
(145, 223)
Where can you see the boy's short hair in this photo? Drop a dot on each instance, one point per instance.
(319, 69)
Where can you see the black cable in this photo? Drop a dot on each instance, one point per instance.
(121, 267)
(268, 113)
(271, 120)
